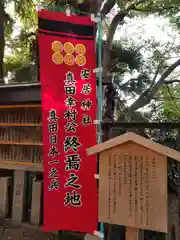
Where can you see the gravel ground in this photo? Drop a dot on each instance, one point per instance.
(9, 231)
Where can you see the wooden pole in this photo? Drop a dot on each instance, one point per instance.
(131, 233)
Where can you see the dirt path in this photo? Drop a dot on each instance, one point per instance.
(9, 231)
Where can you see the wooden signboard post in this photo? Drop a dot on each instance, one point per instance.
(133, 183)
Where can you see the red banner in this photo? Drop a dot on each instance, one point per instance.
(67, 60)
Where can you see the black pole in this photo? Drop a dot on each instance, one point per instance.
(59, 235)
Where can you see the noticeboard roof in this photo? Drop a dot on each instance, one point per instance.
(132, 137)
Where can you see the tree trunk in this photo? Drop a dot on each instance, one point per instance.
(110, 91)
(2, 41)
(113, 232)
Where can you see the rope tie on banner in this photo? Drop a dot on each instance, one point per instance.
(68, 10)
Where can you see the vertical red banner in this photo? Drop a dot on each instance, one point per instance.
(67, 60)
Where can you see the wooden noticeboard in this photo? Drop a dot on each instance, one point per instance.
(133, 188)
(133, 182)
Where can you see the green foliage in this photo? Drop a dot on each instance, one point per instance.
(129, 56)
(159, 6)
(121, 4)
(171, 102)
(13, 63)
(20, 53)
(125, 58)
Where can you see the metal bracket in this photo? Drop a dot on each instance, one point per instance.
(97, 70)
(96, 19)
(96, 122)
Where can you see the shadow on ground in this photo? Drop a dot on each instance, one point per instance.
(9, 230)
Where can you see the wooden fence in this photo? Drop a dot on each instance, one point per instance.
(21, 163)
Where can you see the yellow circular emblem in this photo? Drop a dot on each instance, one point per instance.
(80, 49)
(57, 58)
(57, 46)
(80, 60)
(69, 59)
(68, 47)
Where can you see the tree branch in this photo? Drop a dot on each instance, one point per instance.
(147, 95)
(112, 29)
(155, 10)
(110, 91)
(172, 81)
(108, 45)
(107, 7)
